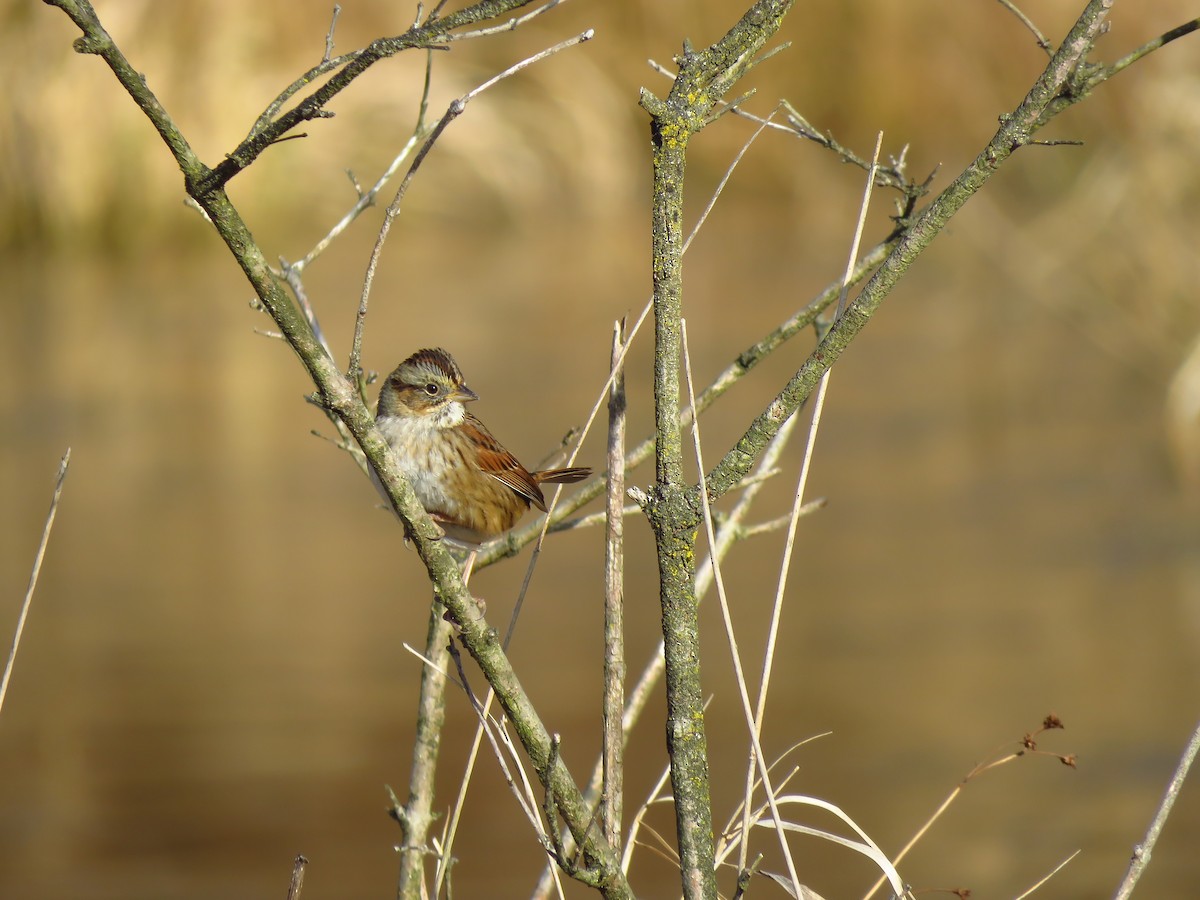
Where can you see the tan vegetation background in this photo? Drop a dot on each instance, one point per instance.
(213, 679)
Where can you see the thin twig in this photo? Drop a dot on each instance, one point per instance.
(1027, 744)
(454, 110)
(580, 38)
(1150, 46)
(366, 199)
(291, 274)
(1028, 23)
(720, 188)
(427, 660)
(33, 576)
(1141, 853)
(337, 11)
(1041, 881)
(784, 521)
(655, 795)
(511, 25)
(503, 750)
(393, 210)
(890, 176)
(268, 114)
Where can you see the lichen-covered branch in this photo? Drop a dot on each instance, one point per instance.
(339, 395)
(703, 79)
(1066, 78)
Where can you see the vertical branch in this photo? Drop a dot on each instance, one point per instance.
(612, 790)
(672, 510)
(417, 815)
(674, 525)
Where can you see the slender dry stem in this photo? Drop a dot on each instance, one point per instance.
(656, 795)
(27, 603)
(797, 506)
(723, 599)
(1041, 881)
(729, 534)
(999, 758)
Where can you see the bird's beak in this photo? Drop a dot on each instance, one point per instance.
(463, 394)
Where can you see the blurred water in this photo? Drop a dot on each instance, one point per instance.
(212, 680)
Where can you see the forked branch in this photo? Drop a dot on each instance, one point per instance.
(1067, 79)
(339, 395)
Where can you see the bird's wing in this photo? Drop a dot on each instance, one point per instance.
(502, 465)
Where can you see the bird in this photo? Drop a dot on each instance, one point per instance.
(467, 481)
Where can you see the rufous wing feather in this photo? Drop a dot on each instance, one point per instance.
(502, 465)
(562, 476)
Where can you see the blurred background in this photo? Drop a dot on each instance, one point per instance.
(212, 679)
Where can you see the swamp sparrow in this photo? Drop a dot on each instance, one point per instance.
(471, 486)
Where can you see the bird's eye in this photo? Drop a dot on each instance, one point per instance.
(432, 389)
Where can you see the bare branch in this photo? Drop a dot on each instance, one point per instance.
(511, 25)
(888, 176)
(1150, 46)
(1142, 852)
(1028, 23)
(1061, 84)
(337, 11)
(272, 109)
(428, 35)
(455, 109)
(297, 882)
(366, 199)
